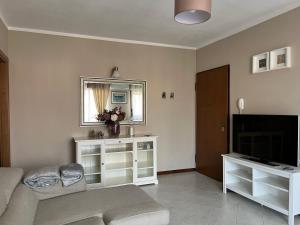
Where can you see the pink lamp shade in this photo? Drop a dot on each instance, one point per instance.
(192, 11)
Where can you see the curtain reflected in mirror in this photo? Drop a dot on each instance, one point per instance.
(136, 102)
(99, 95)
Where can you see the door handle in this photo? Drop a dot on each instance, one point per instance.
(222, 125)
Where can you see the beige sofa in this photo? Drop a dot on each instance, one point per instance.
(126, 205)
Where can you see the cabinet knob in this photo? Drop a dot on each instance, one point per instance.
(102, 164)
(120, 141)
(135, 160)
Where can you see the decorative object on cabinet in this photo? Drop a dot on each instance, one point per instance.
(115, 73)
(131, 131)
(96, 96)
(270, 186)
(113, 129)
(112, 120)
(280, 58)
(260, 63)
(100, 134)
(118, 161)
(92, 133)
(95, 134)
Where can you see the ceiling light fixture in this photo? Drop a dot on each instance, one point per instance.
(192, 11)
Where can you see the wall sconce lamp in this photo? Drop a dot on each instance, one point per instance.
(115, 73)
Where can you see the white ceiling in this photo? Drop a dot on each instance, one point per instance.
(139, 20)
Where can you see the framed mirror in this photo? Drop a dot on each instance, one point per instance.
(98, 95)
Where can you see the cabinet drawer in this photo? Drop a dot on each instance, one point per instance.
(145, 138)
(89, 143)
(118, 141)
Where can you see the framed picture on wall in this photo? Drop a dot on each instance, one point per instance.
(261, 62)
(280, 58)
(119, 97)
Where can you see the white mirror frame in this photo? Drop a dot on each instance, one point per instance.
(111, 80)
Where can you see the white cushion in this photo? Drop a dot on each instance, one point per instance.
(148, 213)
(74, 207)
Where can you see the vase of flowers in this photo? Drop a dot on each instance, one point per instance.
(112, 120)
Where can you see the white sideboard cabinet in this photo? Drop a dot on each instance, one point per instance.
(118, 161)
(276, 187)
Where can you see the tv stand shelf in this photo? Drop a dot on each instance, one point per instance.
(267, 185)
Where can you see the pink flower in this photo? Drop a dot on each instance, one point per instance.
(114, 117)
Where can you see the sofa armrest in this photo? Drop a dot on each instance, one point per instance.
(9, 180)
(21, 208)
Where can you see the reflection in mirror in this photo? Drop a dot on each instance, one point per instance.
(106, 94)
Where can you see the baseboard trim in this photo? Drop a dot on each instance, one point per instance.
(176, 171)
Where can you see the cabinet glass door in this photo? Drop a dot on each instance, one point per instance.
(118, 163)
(145, 160)
(91, 161)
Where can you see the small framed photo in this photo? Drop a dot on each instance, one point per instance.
(280, 58)
(261, 62)
(119, 97)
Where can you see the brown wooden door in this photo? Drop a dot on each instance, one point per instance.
(4, 112)
(212, 124)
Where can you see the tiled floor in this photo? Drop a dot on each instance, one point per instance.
(194, 199)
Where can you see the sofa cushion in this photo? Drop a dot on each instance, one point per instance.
(21, 208)
(9, 179)
(90, 221)
(67, 209)
(58, 190)
(82, 205)
(148, 213)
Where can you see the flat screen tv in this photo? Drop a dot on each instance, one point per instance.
(267, 138)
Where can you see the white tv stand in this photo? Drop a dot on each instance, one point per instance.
(273, 187)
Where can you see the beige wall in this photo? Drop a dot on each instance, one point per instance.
(276, 92)
(3, 37)
(45, 95)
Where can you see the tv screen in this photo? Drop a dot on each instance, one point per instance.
(271, 138)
